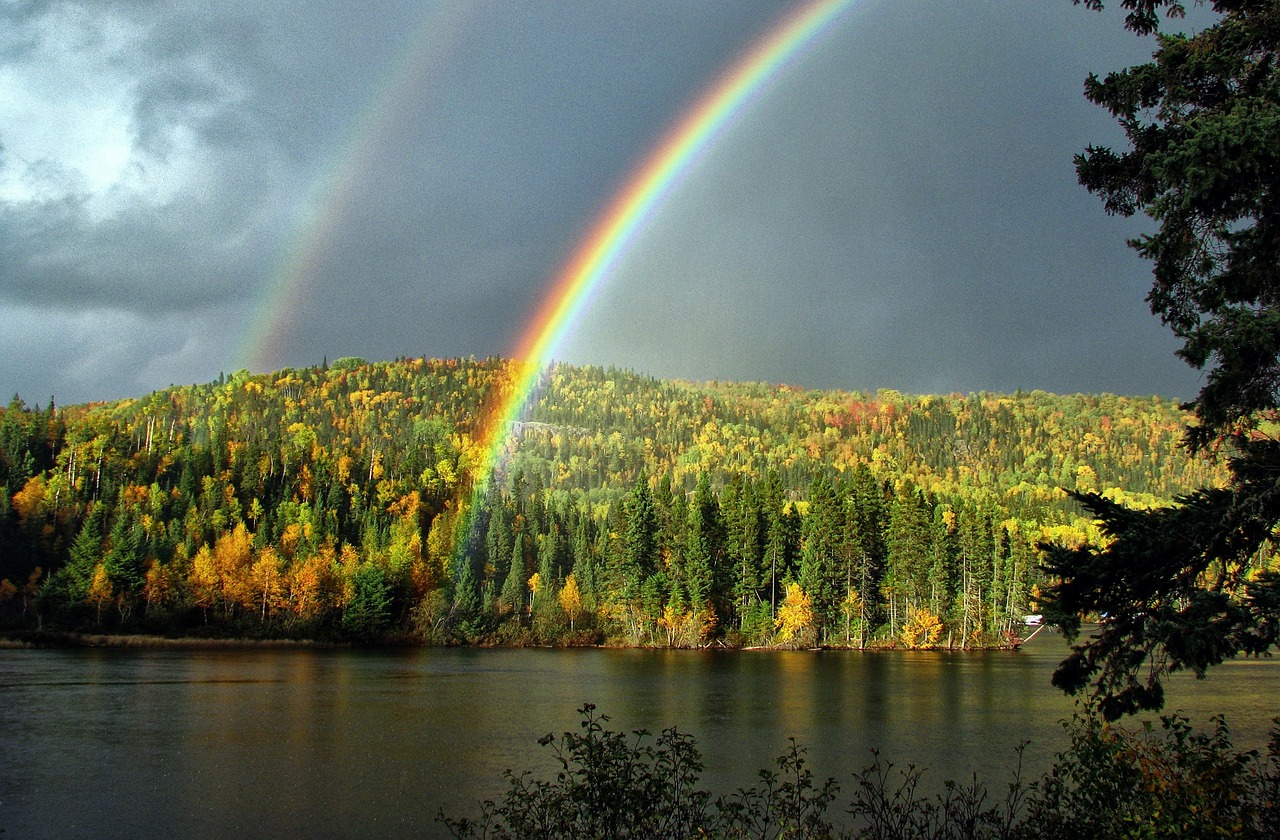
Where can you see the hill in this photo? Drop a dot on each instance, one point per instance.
(337, 501)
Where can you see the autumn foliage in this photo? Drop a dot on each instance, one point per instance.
(338, 501)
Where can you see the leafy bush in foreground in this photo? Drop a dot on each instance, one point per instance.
(1110, 782)
(1115, 782)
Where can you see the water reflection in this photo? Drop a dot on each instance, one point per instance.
(360, 743)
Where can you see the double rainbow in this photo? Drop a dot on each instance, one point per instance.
(608, 239)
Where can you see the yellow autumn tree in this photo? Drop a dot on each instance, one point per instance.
(158, 587)
(795, 618)
(345, 569)
(204, 579)
(28, 500)
(535, 587)
(100, 589)
(670, 622)
(571, 600)
(233, 560)
(311, 582)
(687, 629)
(852, 607)
(268, 582)
(440, 541)
(922, 630)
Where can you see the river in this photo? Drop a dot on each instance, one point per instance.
(362, 743)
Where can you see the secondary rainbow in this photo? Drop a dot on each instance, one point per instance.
(617, 228)
(338, 190)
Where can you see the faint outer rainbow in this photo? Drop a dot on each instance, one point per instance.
(634, 204)
(339, 189)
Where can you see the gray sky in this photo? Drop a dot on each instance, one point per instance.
(897, 210)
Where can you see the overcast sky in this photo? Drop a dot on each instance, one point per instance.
(897, 210)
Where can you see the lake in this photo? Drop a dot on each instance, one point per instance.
(360, 743)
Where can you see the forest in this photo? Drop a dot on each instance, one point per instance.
(348, 502)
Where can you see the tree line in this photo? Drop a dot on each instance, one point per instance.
(336, 501)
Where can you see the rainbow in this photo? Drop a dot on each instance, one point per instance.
(337, 191)
(618, 227)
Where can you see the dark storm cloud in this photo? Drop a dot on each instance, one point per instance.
(906, 216)
(159, 245)
(493, 175)
(898, 210)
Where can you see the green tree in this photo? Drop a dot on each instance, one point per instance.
(468, 611)
(910, 540)
(782, 539)
(640, 543)
(866, 522)
(822, 576)
(513, 587)
(368, 615)
(706, 530)
(744, 545)
(641, 524)
(67, 589)
(1177, 586)
(698, 578)
(124, 563)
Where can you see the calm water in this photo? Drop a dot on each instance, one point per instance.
(336, 743)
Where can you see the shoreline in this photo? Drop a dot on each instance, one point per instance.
(47, 640)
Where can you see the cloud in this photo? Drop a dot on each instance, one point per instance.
(901, 211)
(98, 352)
(119, 189)
(898, 211)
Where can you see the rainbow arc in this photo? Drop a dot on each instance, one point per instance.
(617, 228)
(608, 238)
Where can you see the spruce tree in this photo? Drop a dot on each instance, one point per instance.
(1177, 584)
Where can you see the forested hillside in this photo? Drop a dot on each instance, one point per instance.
(337, 502)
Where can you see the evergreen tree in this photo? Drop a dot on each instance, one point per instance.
(946, 550)
(866, 522)
(66, 590)
(585, 565)
(707, 528)
(640, 544)
(124, 562)
(821, 572)
(498, 541)
(910, 542)
(368, 614)
(781, 540)
(698, 577)
(468, 613)
(744, 544)
(514, 584)
(1202, 124)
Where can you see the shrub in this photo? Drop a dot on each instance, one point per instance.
(1175, 782)
(1110, 782)
(609, 785)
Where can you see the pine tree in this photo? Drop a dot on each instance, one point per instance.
(821, 573)
(513, 586)
(744, 545)
(640, 542)
(910, 551)
(368, 614)
(124, 563)
(781, 540)
(1177, 583)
